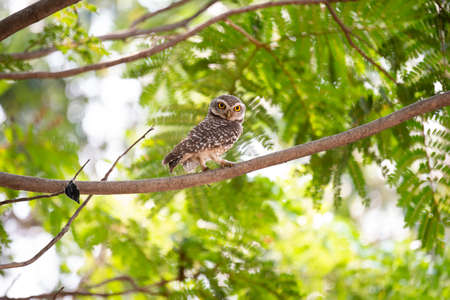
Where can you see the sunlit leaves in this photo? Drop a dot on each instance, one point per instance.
(252, 237)
(68, 35)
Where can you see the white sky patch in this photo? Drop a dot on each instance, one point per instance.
(416, 244)
(383, 223)
(39, 277)
(21, 210)
(16, 5)
(206, 225)
(321, 219)
(153, 5)
(109, 115)
(411, 63)
(2, 115)
(202, 53)
(216, 9)
(437, 87)
(83, 87)
(75, 262)
(57, 62)
(102, 23)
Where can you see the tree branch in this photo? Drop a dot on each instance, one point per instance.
(135, 288)
(72, 218)
(140, 32)
(121, 35)
(28, 55)
(147, 16)
(149, 52)
(57, 294)
(36, 184)
(179, 23)
(42, 196)
(30, 15)
(347, 33)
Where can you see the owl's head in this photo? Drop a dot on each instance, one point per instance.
(228, 107)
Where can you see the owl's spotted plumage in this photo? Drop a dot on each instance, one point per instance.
(212, 137)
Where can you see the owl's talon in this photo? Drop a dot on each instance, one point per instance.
(227, 164)
(204, 169)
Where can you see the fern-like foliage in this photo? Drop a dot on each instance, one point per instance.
(306, 74)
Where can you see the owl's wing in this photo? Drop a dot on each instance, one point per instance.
(209, 135)
(206, 135)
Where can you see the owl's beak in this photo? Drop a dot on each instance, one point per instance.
(228, 114)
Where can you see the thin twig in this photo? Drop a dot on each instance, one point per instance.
(170, 43)
(23, 199)
(118, 278)
(81, 169)
(131, 281)
(114, 36)
(12, 283)
(72, 218)
(152, 14)
(124, 153)
(58, 292)
(163, 28)
(347, 33)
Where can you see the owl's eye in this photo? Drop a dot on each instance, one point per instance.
(221, 105)
(237, 108)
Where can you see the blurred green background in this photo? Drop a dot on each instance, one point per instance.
(365, 221)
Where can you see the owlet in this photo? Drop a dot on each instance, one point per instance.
(212, 137)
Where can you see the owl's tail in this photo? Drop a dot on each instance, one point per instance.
(172, 159)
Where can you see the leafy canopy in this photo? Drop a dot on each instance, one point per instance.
(252, 237)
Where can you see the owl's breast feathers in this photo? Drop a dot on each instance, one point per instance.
(211, 134)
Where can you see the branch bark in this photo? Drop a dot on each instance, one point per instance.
(36, 184)
(172, 42)
(42, 196)
(31, 14)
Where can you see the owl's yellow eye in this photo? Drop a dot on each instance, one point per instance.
(221, 105)
(237, 108)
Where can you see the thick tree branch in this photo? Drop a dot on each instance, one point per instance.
(30, 15)
(347, 33)
(172, 42)
(36, 184)
(42, 196)
(72, 218)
